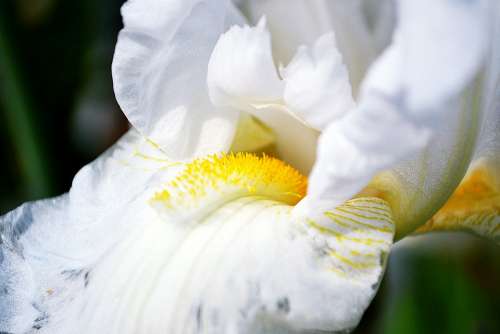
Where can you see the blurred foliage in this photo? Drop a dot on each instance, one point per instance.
(57, 113)
(440, 283)
(55, 57)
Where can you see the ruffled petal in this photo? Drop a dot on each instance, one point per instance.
(317, 84)
(48, 248)
(306, 20)
(241, 72)
(219, 251)
(159, 74)
(411, 94)
(242, 76)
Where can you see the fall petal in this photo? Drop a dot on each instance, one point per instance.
(48, 247)
(217, 251)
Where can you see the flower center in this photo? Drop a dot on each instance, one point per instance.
(274, 130)
(206, 184)
(295, 141)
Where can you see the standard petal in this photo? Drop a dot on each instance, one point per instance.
(159, 74)
(241, 72)
(467, 21)
(317, 86)
(242, 76)
(409, 97)
(307, 20)
(475, 204)
(380, 18)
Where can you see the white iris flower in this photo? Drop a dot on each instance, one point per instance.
(390, 109)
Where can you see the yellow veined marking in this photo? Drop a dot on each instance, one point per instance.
(363, 206)
(336, 217)
(164, 166)
(161, 162)
(383, 212)
(362, 216)
(341, 237)
(356, 253)
(340, 272)
(372, 210)
(346, 225)
(371, 200)
(148, 157)
(351, 263)
(242, 173)
(153, 144)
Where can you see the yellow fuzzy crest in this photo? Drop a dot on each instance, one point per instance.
(216, 179)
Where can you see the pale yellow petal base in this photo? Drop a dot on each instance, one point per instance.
(474, 206)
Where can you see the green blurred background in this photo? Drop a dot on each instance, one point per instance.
(57, 113)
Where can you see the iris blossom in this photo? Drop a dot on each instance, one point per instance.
(278, 148)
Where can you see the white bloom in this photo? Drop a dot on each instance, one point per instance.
(168, 233)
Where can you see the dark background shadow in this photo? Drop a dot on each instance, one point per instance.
(57, 109)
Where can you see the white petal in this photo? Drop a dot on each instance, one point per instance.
(488, 145)
(306, 20)
(410, 94)
(380, 16)
(47, 247)
(474, 204)
(456, 31)
(159, 74)
(424, 182)
(317, 83)
(294, 139)
(241, 71)
(351, 150)
(242, 76)
(89, 263)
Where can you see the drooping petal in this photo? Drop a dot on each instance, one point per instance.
(317, 83)
(48, 248)
(411, 94)
(220, 253)
(159, 74)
